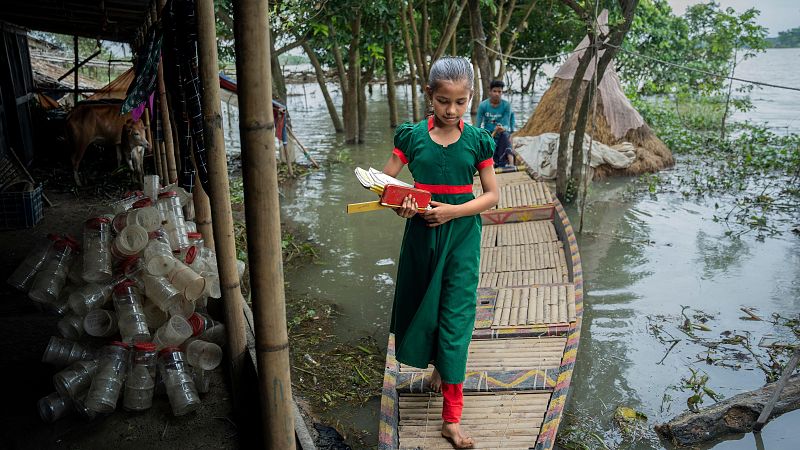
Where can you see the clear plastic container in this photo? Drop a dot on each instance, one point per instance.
(152, 187)
(195, 238)
(50, 279)
(130, 241)
(145, 353)
(75, 379)
(96, 250)
(154, 315)
(23, 276)
(71, 326)
(158, 256)
(107, 383)
(54, 407)
(63, 352)
(202, 379)
(169, 207)
(131, 318)
(89, 297)
(187, 281)
(182, 393)
(100, 323)
(138, 389)
(172, 333)
(161, 292)
(126, 202)
(202, 354)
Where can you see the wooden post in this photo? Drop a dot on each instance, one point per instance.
(154, 148)
(224, 242)
(262, 212)
(75, 51)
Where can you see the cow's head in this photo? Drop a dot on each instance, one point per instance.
(134, 134)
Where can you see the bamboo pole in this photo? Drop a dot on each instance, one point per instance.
(75, 50)
(154, 148)
(225, 244)
(202, 213)
(166, 128)
(262, 212)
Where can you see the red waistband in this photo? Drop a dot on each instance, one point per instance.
(445, 188)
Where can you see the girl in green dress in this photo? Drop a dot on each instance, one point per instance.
(437, 278)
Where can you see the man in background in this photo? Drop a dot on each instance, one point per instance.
(496, 117)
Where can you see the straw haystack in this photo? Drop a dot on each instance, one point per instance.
(616, 120)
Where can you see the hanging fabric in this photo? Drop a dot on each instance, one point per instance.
(183, 83)
(146, 72)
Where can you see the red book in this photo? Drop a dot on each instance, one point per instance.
(393, 195)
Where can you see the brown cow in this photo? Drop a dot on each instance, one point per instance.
(101, 123)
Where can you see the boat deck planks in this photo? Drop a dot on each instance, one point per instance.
(503, 421)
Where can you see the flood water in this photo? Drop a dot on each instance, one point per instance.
(642, 257)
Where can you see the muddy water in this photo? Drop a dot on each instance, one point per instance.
(642, 257)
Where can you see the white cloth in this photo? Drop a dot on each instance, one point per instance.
(540, 153)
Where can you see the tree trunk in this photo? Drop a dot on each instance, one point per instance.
(476, 85)
(337, 56)
(363, 80)
(426, 30)
(350, 102)
(449, 31)
(531, 78)
(278, 80)
(580, 129)
(312, 57)
(390, 86)
(566, 124)
(480, 52)
(412, 73)
(422, 69)
(737, 414)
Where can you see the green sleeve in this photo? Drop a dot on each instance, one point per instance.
(402, 142)
(485, 149)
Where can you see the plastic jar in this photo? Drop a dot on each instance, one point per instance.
(89, 297)
(53, 407)
(100, 323)
(71, 326)
(130, 241)
(50, 279)
(75, 379)
(96, 250)
(187, 281)
(182, 393)
(169, 206)
(130, 312)
(107, 383)
(158, 257)
(63, 352)
(161, 292)
(172, 333)
(23, 276)
(196, 239)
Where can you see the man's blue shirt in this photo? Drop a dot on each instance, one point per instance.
(489, 115)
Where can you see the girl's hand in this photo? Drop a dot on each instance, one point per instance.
(408, 208)
(440, 213)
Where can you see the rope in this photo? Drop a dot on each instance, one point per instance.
(716, 75)
(521, 58)
(631, 52)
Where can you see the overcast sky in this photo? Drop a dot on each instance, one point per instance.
(776, 15)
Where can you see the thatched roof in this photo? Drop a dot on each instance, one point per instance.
(616, 120)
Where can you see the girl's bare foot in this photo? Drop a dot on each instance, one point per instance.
(452, 432)
(436, 381)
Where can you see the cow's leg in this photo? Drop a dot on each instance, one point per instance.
(119, 154)
(78, 151)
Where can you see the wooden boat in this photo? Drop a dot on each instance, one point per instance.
(528, 320)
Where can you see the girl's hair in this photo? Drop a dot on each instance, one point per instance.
(451, 68)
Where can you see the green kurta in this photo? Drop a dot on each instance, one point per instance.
(437, 277)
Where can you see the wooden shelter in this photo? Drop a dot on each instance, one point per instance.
(131, 21)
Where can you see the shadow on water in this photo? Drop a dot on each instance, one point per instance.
(643, 258)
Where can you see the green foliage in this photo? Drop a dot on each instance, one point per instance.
(706, 38)
(786, 39)
(753, 168)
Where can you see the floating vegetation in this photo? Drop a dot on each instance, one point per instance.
(751, 173)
